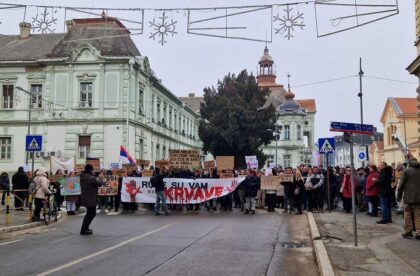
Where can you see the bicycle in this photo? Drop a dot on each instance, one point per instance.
(50, 208)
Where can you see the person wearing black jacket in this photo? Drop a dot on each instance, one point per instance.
(251, 185)
(20, 181)
(4, 186)
(89, 196)
(298, 192)
(157, 182)
(383, 184)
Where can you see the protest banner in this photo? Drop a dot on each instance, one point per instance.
(130, 167)
(70, 186)
(55, 178)
(96, 163)
(286, 177)
(141, 162)
(162, 164)
(225, 162)
(147, 173)
(110, 187)
(120, 172)
(270, 182)
(184, 159)
(178, 190)
(251, 162)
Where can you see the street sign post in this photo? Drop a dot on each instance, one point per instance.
(327, 146)
(351, 128)
(33, 144)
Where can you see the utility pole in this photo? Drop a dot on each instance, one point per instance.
(353, 196)
(361, 73)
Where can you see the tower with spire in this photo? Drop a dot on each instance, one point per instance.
(296, 118)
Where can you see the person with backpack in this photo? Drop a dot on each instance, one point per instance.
(41, 184)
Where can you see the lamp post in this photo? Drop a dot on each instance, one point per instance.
(276, 134)
(29, 116)
(361, 73)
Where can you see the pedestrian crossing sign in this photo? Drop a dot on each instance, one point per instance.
(33, 143)
(326, 145)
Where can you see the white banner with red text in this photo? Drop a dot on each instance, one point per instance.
(178, 190)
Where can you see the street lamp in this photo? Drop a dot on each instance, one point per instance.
(29, 115)
(276, 133)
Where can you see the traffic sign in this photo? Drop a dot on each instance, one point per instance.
(33, 143)
(326, 145)
(362, 154)
(352, 128)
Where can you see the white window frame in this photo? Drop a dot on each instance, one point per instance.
(287, 132)
(84, 151)
(287, 160)
(88, 101)
(6, 148)
(36, 96)
(7, 101)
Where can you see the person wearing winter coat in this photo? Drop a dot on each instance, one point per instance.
(409, 190)
(89, 196)
(289, 190)
(4, 186)
(298, 192)
(383, 184)
(371, 191)
(20, 182)
(346, 190)
(313, 186)
(41, 191)
(251, 185)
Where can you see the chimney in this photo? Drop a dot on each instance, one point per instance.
(25, 30)
(69, 24)
(191, 95)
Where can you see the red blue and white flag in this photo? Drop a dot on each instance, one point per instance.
(125, 157)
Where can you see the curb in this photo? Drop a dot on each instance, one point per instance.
(324, 262)
(24, 226)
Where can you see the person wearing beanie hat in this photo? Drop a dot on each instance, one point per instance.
(41, 191)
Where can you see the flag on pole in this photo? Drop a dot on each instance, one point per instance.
(125, 157)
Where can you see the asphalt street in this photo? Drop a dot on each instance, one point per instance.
(181, 244)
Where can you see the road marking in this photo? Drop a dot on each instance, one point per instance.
(72, 263)
(10, 242)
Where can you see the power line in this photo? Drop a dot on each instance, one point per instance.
(392, 80)
(325, 81)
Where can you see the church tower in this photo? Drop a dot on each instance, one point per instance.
(266, 76)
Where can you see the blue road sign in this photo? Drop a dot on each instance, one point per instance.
(352, 128)
(326, 145)
(362, 155)
(33, 143)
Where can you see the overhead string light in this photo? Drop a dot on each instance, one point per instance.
(229, 22)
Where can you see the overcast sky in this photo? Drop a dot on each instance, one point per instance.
(188, 63)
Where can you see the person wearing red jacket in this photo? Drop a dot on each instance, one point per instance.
(347, 191)
(371, 191)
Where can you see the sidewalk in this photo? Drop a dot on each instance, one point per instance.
(381, 249)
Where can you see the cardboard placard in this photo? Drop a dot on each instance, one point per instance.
(270, 182)
(147, 173)
(79, 168)
(110, 187)
(225, 162)
(286, 177)
(145, 163)
(184, 159)
(120, 172)
(96, 164)
(162, 164)
(130, 167)
(227, 174)
(55, 178)
(251, 162)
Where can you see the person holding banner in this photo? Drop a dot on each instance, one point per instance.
(157, 182)
(298, 192)
(271, 195)
(251, 185)
(89, 195)
(71, 201)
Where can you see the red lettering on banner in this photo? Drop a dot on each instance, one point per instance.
(189, 193)
(199, 194)
(179, 194)
(219, 191)
(208, 193)
(168, 194)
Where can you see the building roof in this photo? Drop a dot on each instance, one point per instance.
(403, 107)
(308, 104)
(193, 102)
(44, 46)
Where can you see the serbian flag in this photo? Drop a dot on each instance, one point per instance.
(126, 158)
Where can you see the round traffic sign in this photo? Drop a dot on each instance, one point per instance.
(362, 155)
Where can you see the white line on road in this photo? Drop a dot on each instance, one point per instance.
(72, 263)
(10, 242)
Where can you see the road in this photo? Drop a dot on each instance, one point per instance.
(181, 244)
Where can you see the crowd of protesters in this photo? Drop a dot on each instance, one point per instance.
(377, 190)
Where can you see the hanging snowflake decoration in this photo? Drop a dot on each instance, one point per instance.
(162, 28)
(288, 23)
(43, 22)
